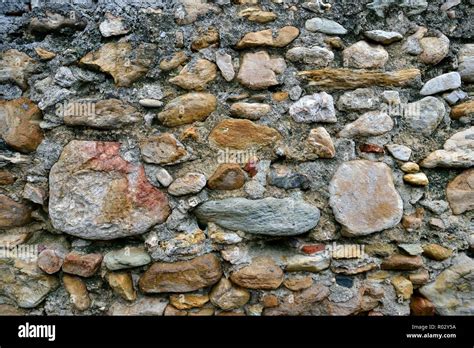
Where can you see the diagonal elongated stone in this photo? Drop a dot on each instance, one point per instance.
(268, 216)
(332, 79)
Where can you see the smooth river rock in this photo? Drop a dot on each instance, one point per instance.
(268, 216)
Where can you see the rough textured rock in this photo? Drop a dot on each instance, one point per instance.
(163, 149)
(182, 276)
(224, 63)
(188, 108)
(318, 107)
(330, 78)
(258, 70)
(82, 265)
(13, 214)
(122, 284)
(50, 261)
(317, 56)
(262, 273)
(441, 83)
(402, 262)
(325, 26)
(451, 292)
(458, 152)
(268, 216)
(460, 192)
(188, 301)
(242, 134)
(112, 197)
(190, 183)
(106, 114)
(363, 55)
(113, 26)
(227, 296)
(19, 127)
(16, 66)
(369, 124)
(195, 75)
(282, 38)
(426, 115)
(364, 199)
(142, 306)
(24, 284)
(121, 60)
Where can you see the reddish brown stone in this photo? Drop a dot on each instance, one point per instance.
(420, 306)
(19, 124)
(312, 248)
(50, 261)
(402, 262)
(6, 178)
(269, 301)
(82, 265)
(13, 214)
(414, 221)
(228, 176)
(251, 167)
(372, 148)
(181, 276)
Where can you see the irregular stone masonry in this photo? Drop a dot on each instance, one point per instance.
(236, 157)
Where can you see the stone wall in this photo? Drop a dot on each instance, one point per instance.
(236, 157)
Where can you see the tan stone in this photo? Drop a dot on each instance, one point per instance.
(412, 222)
(226, 296)
(410, 167)
(255, 14)
(280, 96)
(320, 143)
(228, 176)
(172, 311)
(283, 37)
(205, 38)
(298, 283)
(121, 60)
(16, 66)
(420, 277)
(258, 70)
(363, 55)
(162, 149)
(334, 79)
(299, 303)
(403, 287)
(19, 124)
(77, 290)
(436, 252)
(181, 276)
(188, 108)
(178, 58)
(250, 111)
(269, 301)
(262, 273)
(13, 214)
(242, 134)
(435, 49)
(195, 75)
(44, 54)
(418, 179)
(460, 192)
(462, 110)
(122, 284)
(402, 263)
(188, 301)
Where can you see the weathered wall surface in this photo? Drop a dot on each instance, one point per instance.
(209, 157)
